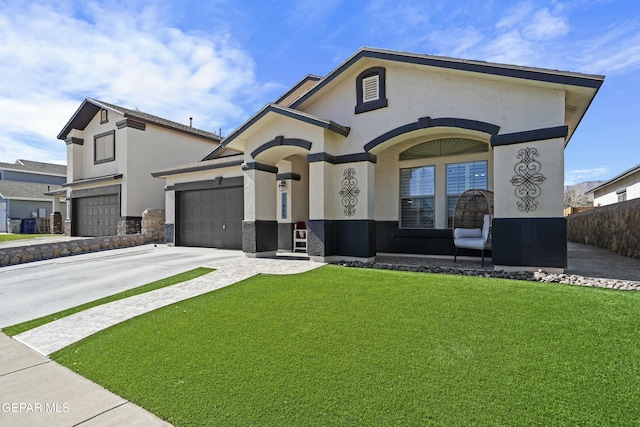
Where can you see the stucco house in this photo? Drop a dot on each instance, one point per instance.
(373, 156)
(620, 188)
(23, 185)
(111, 152)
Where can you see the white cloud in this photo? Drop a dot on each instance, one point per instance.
(545, 26)
(50, 59)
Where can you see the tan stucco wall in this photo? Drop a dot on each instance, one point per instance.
(297, 190)
(152, 150)
(551, 159)
(137, 154)
(260, 190)
(514, 105)
(273, 125)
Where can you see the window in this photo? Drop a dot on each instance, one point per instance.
(371, 90)
(417, 197)
(622, 195)
(104, 116)
(105, 147)
(462, 177)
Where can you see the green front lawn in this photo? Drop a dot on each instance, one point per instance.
(9, 237)
(351, 347)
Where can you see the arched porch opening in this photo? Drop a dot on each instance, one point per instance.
(276, 195)
(418, 178)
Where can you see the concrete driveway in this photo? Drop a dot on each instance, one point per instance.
(29, 291)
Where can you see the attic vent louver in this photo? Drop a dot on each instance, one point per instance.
(370, 88)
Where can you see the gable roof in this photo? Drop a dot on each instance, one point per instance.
(625, 174)
(580, 88)
(90, 107)
(287, 112)
(30, 166)
(505, 70)
(25, 190)
(309, 80)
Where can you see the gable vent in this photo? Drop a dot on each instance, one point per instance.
(371, 88)
(570, 108)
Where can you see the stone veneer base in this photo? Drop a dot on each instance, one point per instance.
(39, 252)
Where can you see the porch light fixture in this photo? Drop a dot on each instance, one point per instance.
(282, 185)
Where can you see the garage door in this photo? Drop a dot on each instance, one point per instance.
(210, 218)
(96, 216)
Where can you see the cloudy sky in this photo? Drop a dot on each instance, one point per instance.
(219, 61)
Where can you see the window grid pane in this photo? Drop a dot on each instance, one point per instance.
(105, 148)
(418, 212)
(462, 177)
(417, 189)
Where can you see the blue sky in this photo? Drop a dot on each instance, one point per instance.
(219, 61)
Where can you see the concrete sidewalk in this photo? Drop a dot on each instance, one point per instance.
(38, 392)
(35, 391)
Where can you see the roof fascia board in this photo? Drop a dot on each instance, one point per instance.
(230, 163)
(31, 199)
(166, 126)
(93, 180)
(67, 128)
(34, 172)
(287, 112)
(295, 87)
(615, 179)
(541, 75)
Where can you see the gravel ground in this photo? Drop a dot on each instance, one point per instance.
(538, 276)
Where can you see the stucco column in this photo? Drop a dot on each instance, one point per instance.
(170, 217)
(529, 228)
(341, 202)
(260, 226)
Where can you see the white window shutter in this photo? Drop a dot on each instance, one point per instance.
(371, 88)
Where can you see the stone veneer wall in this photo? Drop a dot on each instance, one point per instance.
(153, 225)
(22, 254)
(613, 227)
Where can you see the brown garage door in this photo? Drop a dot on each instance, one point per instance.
(210, 218)
(96, 216)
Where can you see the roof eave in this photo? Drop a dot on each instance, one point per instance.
(505, 70)
(615, 179)
(287, 112)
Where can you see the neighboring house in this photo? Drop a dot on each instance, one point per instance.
(23, 185)
(111, 152)
(374, 155)
(625, 186)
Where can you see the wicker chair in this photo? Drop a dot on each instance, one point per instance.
(471, 223)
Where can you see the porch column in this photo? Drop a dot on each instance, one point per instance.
(529, 227)
(341, 225)
(259, 227)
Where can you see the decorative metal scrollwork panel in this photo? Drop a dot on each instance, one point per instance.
(527, 179)
(349, 192)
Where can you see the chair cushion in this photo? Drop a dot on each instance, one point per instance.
(470, 243)
(462, 233)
